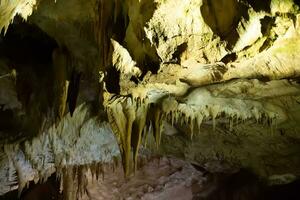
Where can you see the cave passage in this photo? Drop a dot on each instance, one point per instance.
(28, 50)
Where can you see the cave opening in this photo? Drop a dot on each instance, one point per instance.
(243, 184)
(48, 190)
(26, 49)
(260, 5)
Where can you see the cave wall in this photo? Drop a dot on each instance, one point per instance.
(203, 80)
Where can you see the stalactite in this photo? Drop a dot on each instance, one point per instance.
(214, 111)
(82, 182)
(118, 119)
(199, 121)
(101, 170)
(198, 105)
(12, 153)
(69, 183)
(137, 131)
(192, 122)
(132, 118)
(8, 174)
(61, 84)
(74, 181)
(128, 119)
(9, 9)
(230, 123)
(54, 149)
(106, 14)
(92, 168)
(157, 120)
(123, 61)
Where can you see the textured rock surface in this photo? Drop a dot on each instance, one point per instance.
(162, 178)
(206, 81)
(76, 141)
(9, 9)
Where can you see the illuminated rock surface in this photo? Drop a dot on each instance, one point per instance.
(84, 84)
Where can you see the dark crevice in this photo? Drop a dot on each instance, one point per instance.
(266, 25)
(49, 190)
(73, 91)
(288, 191)
(150, 64)
(112, 80)
(134, 79)
(177, 54)
(247, 186)
(268, 43)
(10, 126)
(214, 20)
(28, 50)
(258, 6)
(120, 26)
(229, 58)
(150, 61)
(24, 41)
(264, 79)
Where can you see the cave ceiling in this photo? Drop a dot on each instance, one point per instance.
(88, 83)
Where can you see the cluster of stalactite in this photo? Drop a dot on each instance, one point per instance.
(133, 118)
(245, 90)
(106, 14)
(57, 150)
(9, 9)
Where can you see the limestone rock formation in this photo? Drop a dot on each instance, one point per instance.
(215, 83)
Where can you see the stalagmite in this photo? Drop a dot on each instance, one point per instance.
(193, 67)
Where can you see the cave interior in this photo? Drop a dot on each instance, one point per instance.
(150, 99)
